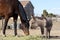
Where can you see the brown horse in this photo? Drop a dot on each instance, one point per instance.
(10, 8)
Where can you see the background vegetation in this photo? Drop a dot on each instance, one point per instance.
(46, 14)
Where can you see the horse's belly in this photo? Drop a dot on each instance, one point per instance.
(5, 9)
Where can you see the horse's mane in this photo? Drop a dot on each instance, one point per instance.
(22, 12)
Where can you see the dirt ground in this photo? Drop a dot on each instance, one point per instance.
(55, 32)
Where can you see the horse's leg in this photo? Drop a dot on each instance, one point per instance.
(5, 24)
(15, 25)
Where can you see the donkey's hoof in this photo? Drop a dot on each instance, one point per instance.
(49, 37)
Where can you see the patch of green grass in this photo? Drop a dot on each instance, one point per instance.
(20, 38)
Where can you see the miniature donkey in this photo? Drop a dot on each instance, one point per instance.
(42, 22)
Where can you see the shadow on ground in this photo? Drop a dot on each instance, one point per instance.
(53, 37)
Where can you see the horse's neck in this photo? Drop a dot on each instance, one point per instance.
(22, 13)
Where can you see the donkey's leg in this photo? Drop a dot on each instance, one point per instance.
(15, 25)
(5, 24)
(49, 31)
(46, 34)
(42, 30)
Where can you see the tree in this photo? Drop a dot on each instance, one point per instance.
(45, 13)
(50, 14)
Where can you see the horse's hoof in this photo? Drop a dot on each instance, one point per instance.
(42, 36)
(14, 35)
(4, 35)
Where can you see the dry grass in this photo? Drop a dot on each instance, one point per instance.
(34, 34)
(20, 38)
